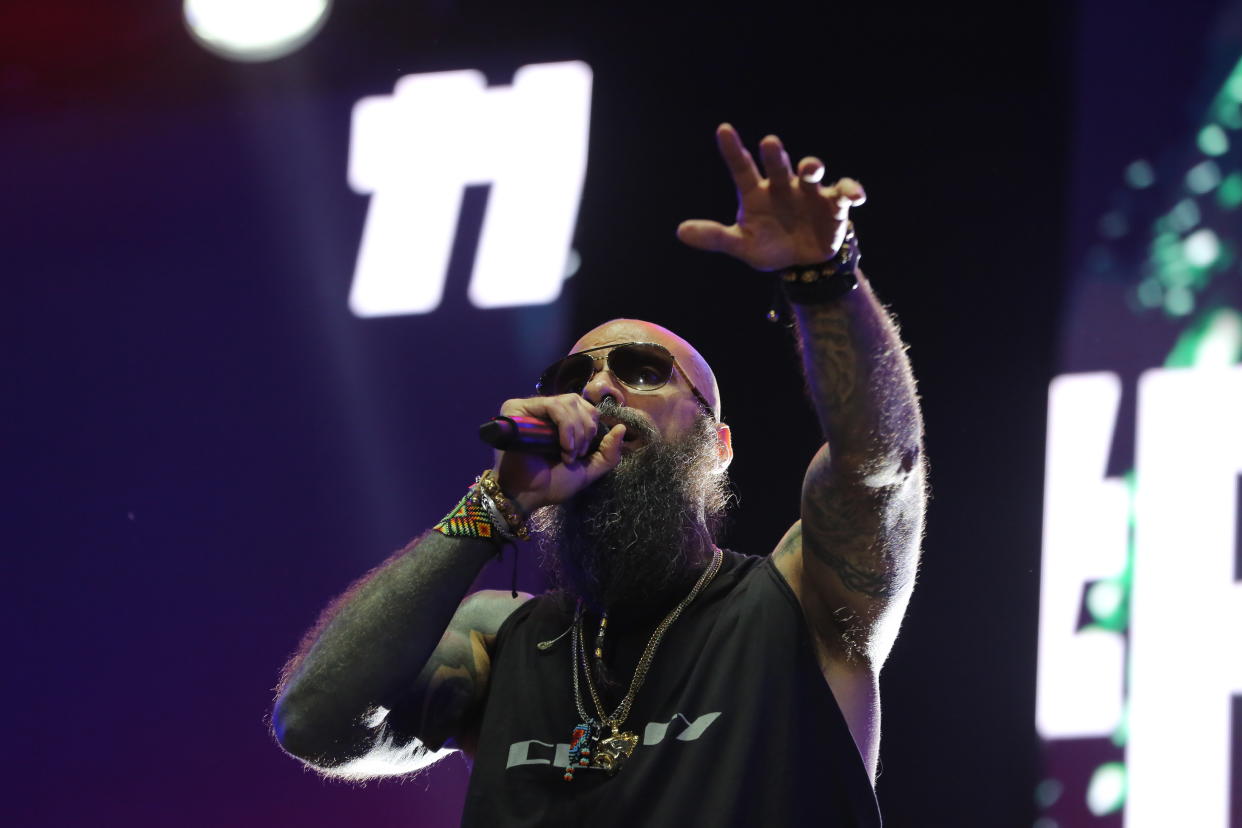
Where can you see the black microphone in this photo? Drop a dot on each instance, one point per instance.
(529, 434)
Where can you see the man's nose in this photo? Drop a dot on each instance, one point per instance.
(603, 384)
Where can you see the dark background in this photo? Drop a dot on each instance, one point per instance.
(202, 445)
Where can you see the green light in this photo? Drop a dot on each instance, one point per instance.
(1140, 175)
(1203, 177)
(1179, 301)
(1212, 341)
(1121, 735)
(1106, 792)
(1106, 601)
(1202, 248)
(1166, 249)
(1184, 215)
(1150, 293)
(1233, 86)
(1177, 275)
(1047, 792)
(1228, 113)
(1229, 196)
(1213, 140)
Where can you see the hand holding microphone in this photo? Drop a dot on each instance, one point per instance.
(551, 448)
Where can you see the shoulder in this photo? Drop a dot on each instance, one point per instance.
(485, 612)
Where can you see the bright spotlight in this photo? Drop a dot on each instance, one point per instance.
(254, 30)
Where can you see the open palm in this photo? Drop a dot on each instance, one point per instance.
(783, 220)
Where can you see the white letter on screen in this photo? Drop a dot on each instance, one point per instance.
(1186, 608)
(1079, 683)
(417, 149)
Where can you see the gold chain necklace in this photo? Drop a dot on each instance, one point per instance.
(588, 746)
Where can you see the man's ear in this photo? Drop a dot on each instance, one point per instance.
(724, 445)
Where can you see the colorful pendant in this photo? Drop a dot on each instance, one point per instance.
(581, 743)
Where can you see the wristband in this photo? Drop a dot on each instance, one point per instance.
(468, 519)
(827, 282)
(516, 524)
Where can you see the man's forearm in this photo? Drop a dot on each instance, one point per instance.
(864, 493)
(371, 644)
(861, 385)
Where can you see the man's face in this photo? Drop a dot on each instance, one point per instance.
(671, 410)
(629, 537)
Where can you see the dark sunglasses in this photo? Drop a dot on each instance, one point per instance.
(643, 366)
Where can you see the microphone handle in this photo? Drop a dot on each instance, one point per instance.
(530, 435)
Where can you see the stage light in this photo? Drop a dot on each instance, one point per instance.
(1179, 301)
(1203, 177)
(1213, 341)
(254, 30)
(1220, 343)
(1233, 86)
(1184, 215)
(1106, 792)
(1140, 175)
(1106, 601)
(1213, 141)
(1202, 248)
(1229, 196)
(1150, 293)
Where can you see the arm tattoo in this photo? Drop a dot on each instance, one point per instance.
(862, 503)
(455, 680)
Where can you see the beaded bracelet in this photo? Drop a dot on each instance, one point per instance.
(484, 512)
(468, 519)
(507, 508)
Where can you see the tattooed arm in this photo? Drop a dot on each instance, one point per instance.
(397, 665)
(852, 557)
(864, 493)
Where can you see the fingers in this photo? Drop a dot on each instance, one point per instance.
(711, 236)
(845, 194)
(575, 420)
(736, 157)
(776, 165)
(609, 453)
(810, 173)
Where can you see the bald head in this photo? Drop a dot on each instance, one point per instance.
(688, 358)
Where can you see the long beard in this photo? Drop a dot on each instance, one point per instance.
(631, 538)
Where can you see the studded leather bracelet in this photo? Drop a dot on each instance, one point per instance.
(823, 283)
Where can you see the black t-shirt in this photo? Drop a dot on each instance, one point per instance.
(736, 724)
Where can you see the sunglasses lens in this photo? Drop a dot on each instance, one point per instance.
(644, 367)
(567, 376)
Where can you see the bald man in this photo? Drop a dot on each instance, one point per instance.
(663, 681)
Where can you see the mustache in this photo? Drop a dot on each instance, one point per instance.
(636, 423)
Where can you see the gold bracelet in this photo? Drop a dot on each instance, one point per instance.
(508, 509)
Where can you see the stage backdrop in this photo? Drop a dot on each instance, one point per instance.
(1141, 611)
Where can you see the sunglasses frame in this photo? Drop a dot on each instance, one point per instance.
(698, 395)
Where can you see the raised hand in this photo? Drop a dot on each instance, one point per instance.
(783, 220)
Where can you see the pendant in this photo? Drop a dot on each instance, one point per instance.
(612, 751)
(581, 743)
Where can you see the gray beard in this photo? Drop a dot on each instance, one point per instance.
(632, 538)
